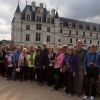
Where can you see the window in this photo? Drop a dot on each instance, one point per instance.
(70, 24)
(27, 27)
(76, 32)
(48, 38)
(98, 42)
(38, 27)
(48, 29)
(83, 34)
(59, 40)
(48, 20)
(77, 25)
(70, 40)
(76, 40)
(97, 35)
(60, 30)
(90, 41)
(52, 20)
(38, 19)
(27, 37)
(84, 26)
(69, 32)
(84, 41)
(28, 17)
(91, 27)
(90, 34)
(38, 37)
(97, 28)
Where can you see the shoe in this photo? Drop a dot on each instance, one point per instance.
(69, 95)
(91, 97)
(85, 97)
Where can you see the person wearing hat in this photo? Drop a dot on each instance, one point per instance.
(43, 64)
(92, 67)
(70, 63)
(23, 74)
(80, 52)
(57, 68)
(64, 48)
(50, 73)
(30, 59)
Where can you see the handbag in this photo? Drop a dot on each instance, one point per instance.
(17, 69)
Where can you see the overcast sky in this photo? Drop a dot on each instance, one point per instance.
(87, 10)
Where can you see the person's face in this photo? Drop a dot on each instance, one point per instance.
(93, 49)
(64, 49)
(50, 50)
(79, 44)
(59, 50)
(44, 46)
(70, 51)
(19, 49)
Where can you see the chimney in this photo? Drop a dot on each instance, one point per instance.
(33, 3)
(53, 12)
(41, 5)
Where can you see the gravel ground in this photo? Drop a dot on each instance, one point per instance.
(15, 90)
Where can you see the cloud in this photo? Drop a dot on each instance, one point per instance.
(87, 10)
(5, 36)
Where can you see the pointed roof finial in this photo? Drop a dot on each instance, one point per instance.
(45, 4)
(26, 2)
(57, 15)
(18, 2)
(18, 8)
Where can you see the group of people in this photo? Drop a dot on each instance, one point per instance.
(75, 69)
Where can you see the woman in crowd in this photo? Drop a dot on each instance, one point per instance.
(50, 77)
(70, 64)
(30, 59)
(23, 75)
(57, 68)
(38, 66)
(2, 67)
(9, 64)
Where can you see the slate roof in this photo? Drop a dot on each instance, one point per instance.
(74, 22)
(18, 9)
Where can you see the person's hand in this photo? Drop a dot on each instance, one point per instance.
(85, 73)
(73, 74)
(61, 70)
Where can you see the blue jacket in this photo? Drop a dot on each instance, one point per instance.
(16, 57)
(72, 62)
(92, 58)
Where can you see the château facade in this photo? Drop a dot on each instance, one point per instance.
(35, 25)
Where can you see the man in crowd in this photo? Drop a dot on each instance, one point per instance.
(80, 52)
(92, 66)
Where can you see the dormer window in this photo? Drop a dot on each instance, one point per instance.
(91, 27)
(84, 26)
(28, 17)
(61, 23)
(97, 28)
(48, 20)
(77, 25)
(70, 24)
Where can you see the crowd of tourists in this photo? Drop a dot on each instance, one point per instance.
(71, 68)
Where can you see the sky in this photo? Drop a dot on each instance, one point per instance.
(85, 10)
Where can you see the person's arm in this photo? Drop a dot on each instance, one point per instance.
(85, 62)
